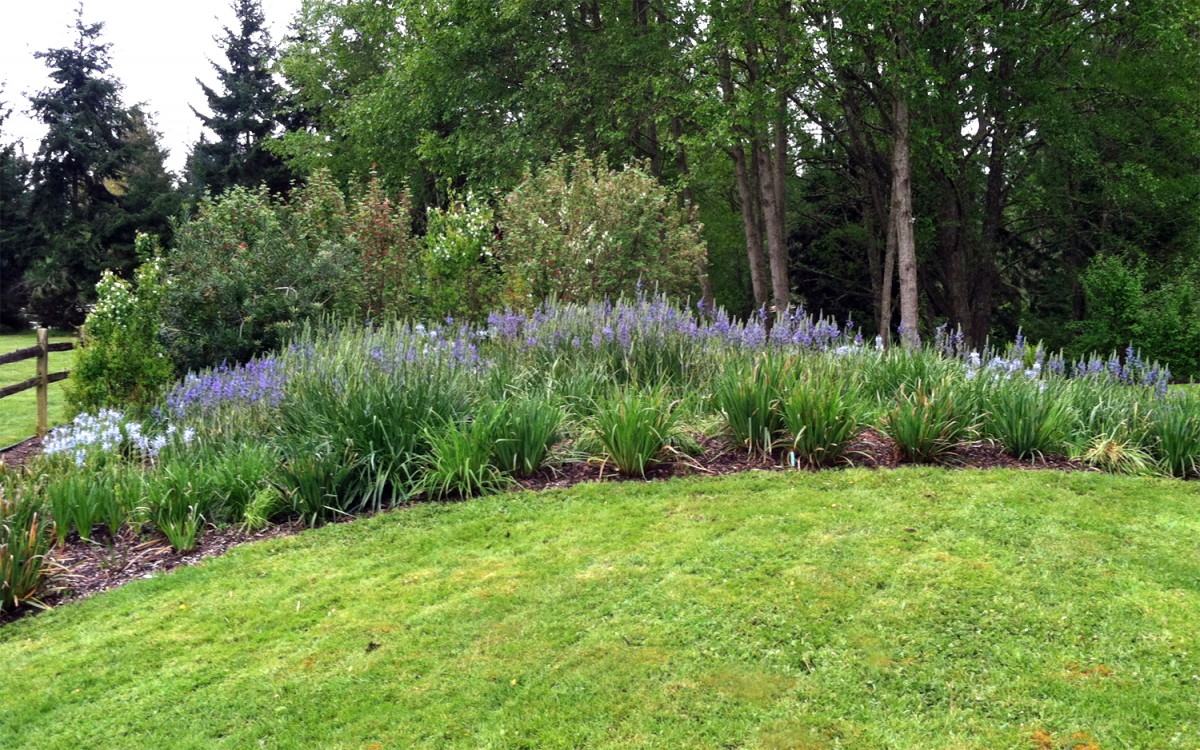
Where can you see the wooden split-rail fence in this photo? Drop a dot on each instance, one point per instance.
(41, 350)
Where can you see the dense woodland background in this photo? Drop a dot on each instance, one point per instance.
(994, 166)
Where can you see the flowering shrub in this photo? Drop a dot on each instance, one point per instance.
(580, 231)
(248, 271)
(462, 272)
(120, 360)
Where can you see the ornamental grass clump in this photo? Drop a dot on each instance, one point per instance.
(175, 497)
(460, 460)
(634, 427)
(747, 395)
(231, 472)
(238, 473)
(1027, 417)
(1174, 432)
(525, 429)
(316, 483)
(1116, 453)
(821, 411)
(83, 501)
(928, 422)
(887, 372)
(25, 538)
(374, 394)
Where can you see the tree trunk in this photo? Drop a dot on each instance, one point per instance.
(985, 269)
(886, 303)
(952, 252)
(986, 272)
(768, 175)
(873, 169)
(902, 219)
(776, 208)
(746, 170)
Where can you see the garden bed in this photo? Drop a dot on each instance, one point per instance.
(84, 568)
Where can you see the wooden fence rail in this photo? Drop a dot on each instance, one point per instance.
(44, 377)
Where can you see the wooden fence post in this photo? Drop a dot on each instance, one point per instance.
(43, 374)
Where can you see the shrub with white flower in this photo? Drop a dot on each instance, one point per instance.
(120, 360)
(578, 230)
(462, 274)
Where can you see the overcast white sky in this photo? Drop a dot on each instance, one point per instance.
(158, 50)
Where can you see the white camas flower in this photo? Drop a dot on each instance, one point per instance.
(106, 432)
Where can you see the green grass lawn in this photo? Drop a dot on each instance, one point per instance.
(919, 608)
(18, 413)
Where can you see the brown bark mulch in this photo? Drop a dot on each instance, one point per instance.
(716, 458)
(15, 456)
(82, 568)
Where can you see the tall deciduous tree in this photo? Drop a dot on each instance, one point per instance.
(974, 148)
(246, 110)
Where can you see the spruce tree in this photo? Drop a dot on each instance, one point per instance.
(74, 207)
(246, 112)
(16, 235)
(98, 178)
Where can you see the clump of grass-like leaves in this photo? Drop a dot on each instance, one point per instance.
(460, 459)
(1174, 435)
(25, 538)
(747, 394)
(225, 474)
(901, 368)
(377, 412)
(523, 432)
(634, 427)
(1117, 453)
(928, 423)
(1026, 419)
(266, 502)
(174, 497)
(83, 501)
(821, 412)
(316, 483)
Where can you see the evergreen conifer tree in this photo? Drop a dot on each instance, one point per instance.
(16, 234)
(245, 112)
(74, 208)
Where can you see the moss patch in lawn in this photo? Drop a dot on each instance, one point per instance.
(918, 608)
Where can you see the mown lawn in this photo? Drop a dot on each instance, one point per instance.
(18, 413)
(919, 608)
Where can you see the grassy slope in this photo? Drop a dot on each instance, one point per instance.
(910, 609)
(18, 413)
